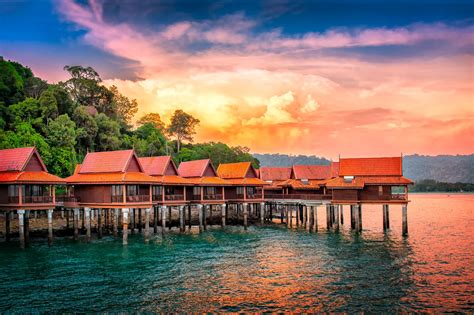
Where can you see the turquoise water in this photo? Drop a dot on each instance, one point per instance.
(264, 269)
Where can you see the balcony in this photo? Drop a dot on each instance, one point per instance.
(398, 197)
(138, 198)
(33, 199)
(62, 198)
(298, 197)
(157, 197)
(174, 197)
(254, 196)
(213, 197)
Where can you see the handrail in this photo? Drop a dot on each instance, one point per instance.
(138, 198)
(213, 197)
(174, 197)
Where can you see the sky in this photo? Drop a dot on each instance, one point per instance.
(329, 78)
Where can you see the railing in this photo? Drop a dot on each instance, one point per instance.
(239, 196)
(174, 197)
(37, 199)
(398, 197)
(138, 198)
(213, 197)
(13, 199)
(157, 197)
(116, 198)
(254, 196)
(299, 196)
(62, 198)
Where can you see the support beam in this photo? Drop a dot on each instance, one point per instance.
(336, 216)
(27, 227)
(282, 213)
(169, 217)
(356, 218)
(204, 216)
(311, 219)
(201, 217)
(298, 210)
(147, 225)
(189, 217)
(360, 217)
(140, 220)
(223, 215)
(50, 227)
(163, 219)
(76, 223)
(132, 220)
(384, 217)
(405, 220)
(87, 215)
(21, 227)
(352, 217)
(67, 218)
(155, 219)
(181, 219)
(315, 218)
(262, 212)
(99, 222)
(328, 217)
(341, 209)
(116, 219)
(125, 217)
(246, 214)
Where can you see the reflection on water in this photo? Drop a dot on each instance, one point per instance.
(263, 269)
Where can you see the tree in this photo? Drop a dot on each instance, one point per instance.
(35, 86)
(48, 105)
(182, 127)
(86, 129)
(108, 135)
(11, 84)
(124, 107)
(152, 118)
(62, 140)
(64, 101)
(27, 111)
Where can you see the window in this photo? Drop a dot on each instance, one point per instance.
(210, 190)
(240, 190)
(13, 191)
(170, 190)
(157, 190)
(196, 191)
(305, 181)
(250, 191)
(33, 190)
(132, 190)
(117, 190)
(380, 190)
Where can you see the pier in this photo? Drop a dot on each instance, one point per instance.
(116, 193)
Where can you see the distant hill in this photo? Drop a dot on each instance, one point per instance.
(441, 168)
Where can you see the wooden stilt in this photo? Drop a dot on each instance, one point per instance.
(298, 209)
(204, 217)
(125, 215)
(336, 216)
(356, 218)
(315, 218)
(140, 229)
(87, 214)
(246, 213)
(384, 217)
(50, 227)
(147, 225)
(226, 206)
(99, 222)
(360, 217)
(181, 219)
(83, 220)
(282, 213)
(262, 212)
(116, 219)
(155, 219)
(169, 217)
(405, 220)
(27, 227)
(67, 218)
(223, 215)
(76, 223)
(210, 215)
(189, 217)
(352, 217)
(132, 220)
(328, 216)
(311, 219)
(7, 225)
(201, 217)
(163, 219)
(21, 227)
(341, 209)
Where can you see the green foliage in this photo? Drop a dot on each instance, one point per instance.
(182, 127)
(152, 118)
(429, 185)
(108, 135)
(67, 119)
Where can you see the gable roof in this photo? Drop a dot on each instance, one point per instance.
(194, 168)
(156, 165)
(275, 173)
(17, 159)
(235, 170)
(383, 166)
(311, 171)
(108, 162)
(334, 169)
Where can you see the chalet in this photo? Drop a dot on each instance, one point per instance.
(370, 180)
(114, 179)
(245, 184)
(170, 188)
(26, 185)
(207, 187)
(274, 176)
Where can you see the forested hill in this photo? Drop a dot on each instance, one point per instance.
(442, 168)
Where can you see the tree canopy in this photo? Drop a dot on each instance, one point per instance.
(66, 120)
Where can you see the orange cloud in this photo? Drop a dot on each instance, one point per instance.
(277, 93)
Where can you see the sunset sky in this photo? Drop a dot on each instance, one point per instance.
(302, 77)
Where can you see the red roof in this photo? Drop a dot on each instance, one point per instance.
(250, 181)
(17, 159)
(234, 170)
(107, 162)
(156, 165)
(275, 173)
(311, 171)
(384, 166)
(334, 169)
(116, 177)
(360, 182)
(193, 168)
(30, 177)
